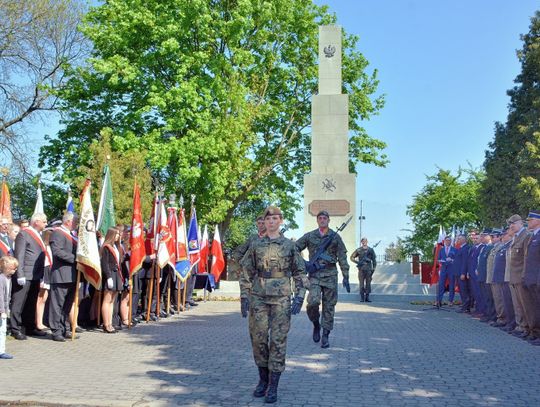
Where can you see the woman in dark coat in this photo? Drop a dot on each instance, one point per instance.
(111, 276)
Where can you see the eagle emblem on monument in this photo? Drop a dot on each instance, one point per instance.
(329, 51)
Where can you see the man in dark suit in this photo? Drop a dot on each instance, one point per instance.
(6, 244)
(460, 264)
(446, 260)
(487, 305)
(472, 274)
(63, 276)
(30, 251)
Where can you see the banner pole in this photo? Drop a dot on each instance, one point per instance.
(158, 292)
(130, 301)
(76, 307)
(169, 282)
(150, 292)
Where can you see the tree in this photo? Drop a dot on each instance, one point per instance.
(395, 251)
(125, 168)
(218, 94)
(38, 39)
(512, 182)
(23, 191)
(445, 200)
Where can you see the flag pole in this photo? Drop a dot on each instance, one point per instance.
(99, 308)
(158, 292)
(185, 293)
(76, 307)
(169, 282)
(130, 301)
(178, 293)
(151, 291)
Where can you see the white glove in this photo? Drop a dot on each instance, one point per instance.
(21, 281)
(109, 283)
(46, 286)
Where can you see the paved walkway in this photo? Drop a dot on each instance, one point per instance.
(382, 354)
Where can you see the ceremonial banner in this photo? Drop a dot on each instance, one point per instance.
(435, 268)
(163, 238)
(105, 218)
(88, 261)
(39, 202)
(5, 202)
(136, 237)
(183, 265)
(204, 251)
(218, 262)
(172, 245)
(69, 204)
(152, 230)
(193, 239)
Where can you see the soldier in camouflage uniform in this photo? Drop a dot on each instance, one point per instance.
(365, 259)
(242, 249)
(268, 267)
(324, 282)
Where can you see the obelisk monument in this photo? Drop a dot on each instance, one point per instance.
(330, 185)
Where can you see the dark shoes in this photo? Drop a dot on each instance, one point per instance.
(325, 343)
(367, 298)
(262, 386)
(69, 336)
(316, 332)
(362, 298)
(271, 395)
(5, 356)
(193, 303)
(38, 332)
(58, 338)
(19, 336)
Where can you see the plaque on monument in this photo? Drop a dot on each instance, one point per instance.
(334, 207)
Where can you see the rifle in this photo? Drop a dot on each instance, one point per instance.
(364, 258)
(314, 265)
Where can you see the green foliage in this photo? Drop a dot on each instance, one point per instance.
(395, 251)
(125, 167)
(512, 183)
(445, 200)
(217, 95)
(23, 191)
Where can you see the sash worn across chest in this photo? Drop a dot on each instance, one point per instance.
(73, 239)
(37, 238)
(116, 256)
(4, 248)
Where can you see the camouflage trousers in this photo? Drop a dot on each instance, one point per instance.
(269, 323)
(326, 289)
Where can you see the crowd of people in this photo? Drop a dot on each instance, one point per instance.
(38, 283)
(498, 275)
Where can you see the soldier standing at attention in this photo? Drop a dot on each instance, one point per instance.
(267, 269)
(323, 283)
(365, 259)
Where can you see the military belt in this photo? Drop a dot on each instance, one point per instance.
(272, 274)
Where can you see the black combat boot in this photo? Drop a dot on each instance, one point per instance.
(362, 298)
(260, 390)
(325, 343)
(271, 396)
(316, 332)
(367, 298)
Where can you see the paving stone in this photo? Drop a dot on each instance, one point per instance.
(388, 353)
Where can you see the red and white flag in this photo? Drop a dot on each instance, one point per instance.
(218, 262)
(5, 202)
(163, 237)
(136, 237)
(204, 251)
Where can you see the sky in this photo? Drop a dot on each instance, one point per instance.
(444, 67)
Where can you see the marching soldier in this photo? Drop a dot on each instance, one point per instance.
(324, 281)
(268, 267)
(365, 259)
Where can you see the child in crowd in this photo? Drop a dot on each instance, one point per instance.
(8, 266)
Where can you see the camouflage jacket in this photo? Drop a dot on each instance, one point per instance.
(367, 258)
(268, 267)
(242, 249)
(336, 252)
